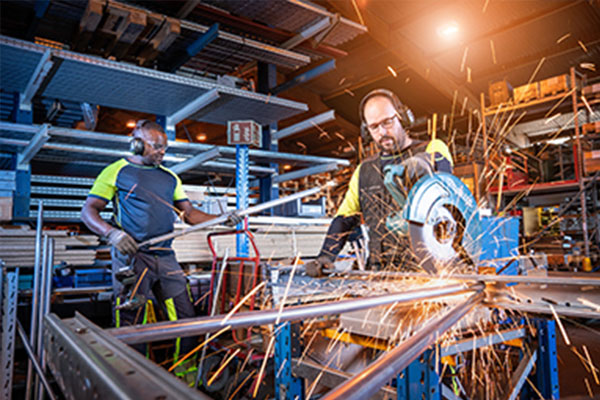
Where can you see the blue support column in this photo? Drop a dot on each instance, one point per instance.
(419, 380)
(547, 366)
(267, 79)
(241, 188)
(287, 386)
(22, 194)
(169, 130)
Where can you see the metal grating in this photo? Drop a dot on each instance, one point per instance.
(291, 15)
(112, 84)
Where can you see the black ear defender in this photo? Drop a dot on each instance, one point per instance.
(406, 116)
(136, 145)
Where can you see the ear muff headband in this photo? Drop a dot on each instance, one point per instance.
(405, 115)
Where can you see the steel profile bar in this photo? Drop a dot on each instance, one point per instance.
(196, 326)
(37, 78)
(221, 219)
(35, 145)
(305, 77)
(193, 107)
(523, 370)
(301, 173)
(33, 359)
(304, 125)
(196, 160)
(386, 367)
(46, 296)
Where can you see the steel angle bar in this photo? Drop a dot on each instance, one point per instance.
(483, 341)
(35, 145)
(304, 125)
(196, 160)
(88, 363)
(522, 371)
(448, 393)
(386, 367)
(193, 107)
(331, 377)
(545, 309)
(307, 33)
(197, 326)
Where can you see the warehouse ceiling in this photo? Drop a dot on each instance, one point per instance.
(438, 56)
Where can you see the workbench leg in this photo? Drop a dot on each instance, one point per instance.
(287, 344)
(546, 379)
(419, 380)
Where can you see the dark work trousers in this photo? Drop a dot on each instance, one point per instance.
(163, 281)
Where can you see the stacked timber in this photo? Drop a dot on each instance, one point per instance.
(272, 241)
(17, 247)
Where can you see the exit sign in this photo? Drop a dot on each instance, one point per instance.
(244, 132)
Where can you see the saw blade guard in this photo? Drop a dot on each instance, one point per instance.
(444, 222)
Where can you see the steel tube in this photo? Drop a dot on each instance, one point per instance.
(221, 219)
(35, 295)
(45, 308)
(196, 326)
(376, 375)
(34, 360)
(40, 309)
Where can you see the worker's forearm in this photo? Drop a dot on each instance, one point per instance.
(92, 219)
(196, 217)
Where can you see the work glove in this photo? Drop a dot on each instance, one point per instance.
(233, 218)
(315, 268)
(122, 241)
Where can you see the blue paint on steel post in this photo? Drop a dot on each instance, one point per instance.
(170, 131)
(419, 380)
(547, 365)
(241, 186)
(267, 80)
(194, 48)
(286, 385)
(22, 194)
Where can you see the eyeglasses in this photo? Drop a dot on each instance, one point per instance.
(157, 146)
(386, 124)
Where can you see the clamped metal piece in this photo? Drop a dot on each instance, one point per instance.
(128, 279)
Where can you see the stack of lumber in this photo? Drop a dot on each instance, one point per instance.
(17, 247)
(273, 242)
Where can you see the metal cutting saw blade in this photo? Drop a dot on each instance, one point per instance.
(444, 222)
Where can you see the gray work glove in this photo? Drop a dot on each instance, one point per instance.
(122, 241)
(315, 268)
(233, 218)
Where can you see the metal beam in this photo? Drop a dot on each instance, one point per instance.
(305, 77)
(304, 125)
(192, 107)
(196, 326)
(301, 173)
(187, 8)
(307, 33)
(37, 78)
(35, 144)
(523, 370)
(196, 47)
(196, 160)
(386, 367)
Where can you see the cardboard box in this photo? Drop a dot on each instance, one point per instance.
(526, 92)
(593, 127)
(6, 208)
(500, 92)
(591, 161)
(556, 84)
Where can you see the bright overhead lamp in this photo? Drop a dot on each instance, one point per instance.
(448, 30)
(201, 137)
(130, 124)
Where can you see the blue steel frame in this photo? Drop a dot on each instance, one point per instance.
(287, 386)
(419, 380)
(546, 377)
(22, 194)
(241, 188)
(267, 79)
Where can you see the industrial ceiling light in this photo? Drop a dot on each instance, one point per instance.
(201, 137)
(130, 124)
(448, 30)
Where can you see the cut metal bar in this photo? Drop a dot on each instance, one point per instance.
(196, 160)
(386, 367)
(196, 326)
(483, 341)
(221, 219)
(39, 312)
(35, 145)
(34, 360)
(193, 107)
(46, 296)
(304, 125)
(523, 370)
(35, 300)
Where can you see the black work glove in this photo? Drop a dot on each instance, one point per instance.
(233, 218)
(122, 241)
(315, 268)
